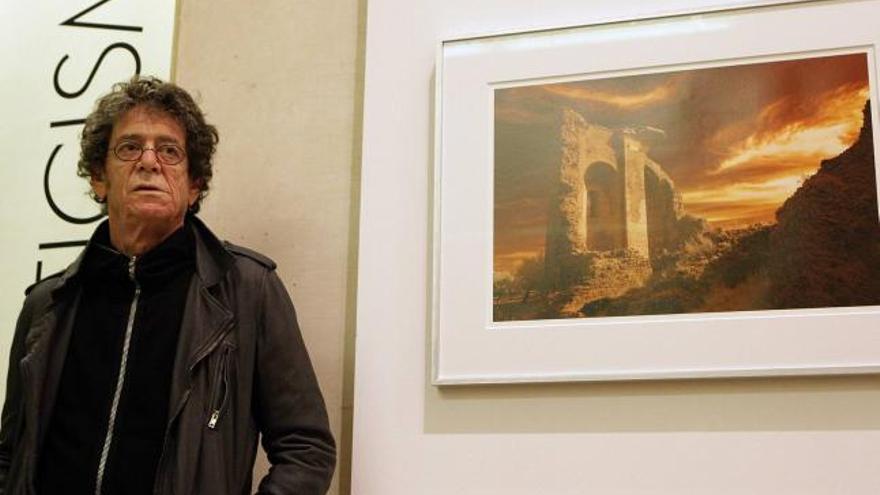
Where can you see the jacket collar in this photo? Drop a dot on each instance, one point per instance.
(213, 260)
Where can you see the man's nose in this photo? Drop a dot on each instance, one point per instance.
(149, 159)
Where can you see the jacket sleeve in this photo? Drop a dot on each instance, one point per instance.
(290, 409)
(13, 416)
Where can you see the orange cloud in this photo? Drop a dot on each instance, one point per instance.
(760, 169)
(844, 102)
(741, 204)
(620, 100)
(734, 196)
(825, 130)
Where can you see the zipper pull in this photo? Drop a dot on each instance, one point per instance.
(131, 262)
(212, 423)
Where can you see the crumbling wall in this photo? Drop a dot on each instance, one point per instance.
(660, 204)
(609, 196)
(603, 205)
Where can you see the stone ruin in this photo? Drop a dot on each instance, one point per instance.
(611, 201)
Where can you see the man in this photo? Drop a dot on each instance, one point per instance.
(153, 362)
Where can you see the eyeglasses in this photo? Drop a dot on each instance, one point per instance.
(167, 154)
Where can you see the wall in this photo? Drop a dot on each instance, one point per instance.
(280, 80)
(756, 436)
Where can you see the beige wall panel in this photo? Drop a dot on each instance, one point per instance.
(279, 80)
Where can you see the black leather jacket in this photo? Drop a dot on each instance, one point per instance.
(240, 353)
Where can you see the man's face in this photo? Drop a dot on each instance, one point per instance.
(146, 190)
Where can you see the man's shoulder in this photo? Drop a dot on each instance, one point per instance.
(250, 254)
(43, 286)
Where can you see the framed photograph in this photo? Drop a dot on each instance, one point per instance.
(684, 196)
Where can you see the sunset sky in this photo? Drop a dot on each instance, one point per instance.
(737, 140)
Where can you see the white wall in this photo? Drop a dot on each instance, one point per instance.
(747, 436)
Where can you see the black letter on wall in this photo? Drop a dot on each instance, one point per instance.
(73, 21)
(55, 208)
(124, 46)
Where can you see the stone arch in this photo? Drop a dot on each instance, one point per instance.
(603, 207)
(660, 212)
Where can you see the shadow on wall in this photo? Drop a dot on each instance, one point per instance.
(719, 405)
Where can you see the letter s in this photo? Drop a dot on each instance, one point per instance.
(74, 94)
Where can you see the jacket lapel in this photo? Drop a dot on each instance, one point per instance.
(207, 318)
(55, 350)
(46, 349)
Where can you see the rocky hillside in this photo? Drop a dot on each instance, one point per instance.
(823, 251)
(826, 244)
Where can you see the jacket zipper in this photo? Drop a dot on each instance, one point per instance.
(218, 398)
(120, 380)
(163, 459)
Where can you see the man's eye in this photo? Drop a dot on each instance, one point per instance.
(170, 153)
(128, 150)
(128, 147)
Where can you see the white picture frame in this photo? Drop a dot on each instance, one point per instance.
(468, 347)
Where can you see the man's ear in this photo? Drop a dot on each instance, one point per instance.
(99, 186)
